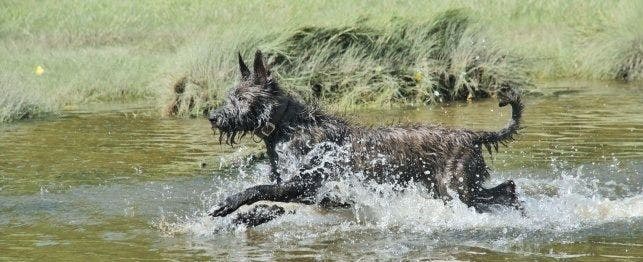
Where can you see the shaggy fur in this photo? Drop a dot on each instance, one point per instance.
(438, 157)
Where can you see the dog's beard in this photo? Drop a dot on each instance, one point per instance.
(231, 132)
(230, 137)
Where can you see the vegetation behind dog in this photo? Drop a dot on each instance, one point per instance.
(405, 63)
(182, 53)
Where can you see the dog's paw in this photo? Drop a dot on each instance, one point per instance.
(220, 210)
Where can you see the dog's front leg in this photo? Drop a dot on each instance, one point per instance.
(289, 191)
(273, 157)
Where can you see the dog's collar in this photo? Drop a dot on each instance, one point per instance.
(269, 127)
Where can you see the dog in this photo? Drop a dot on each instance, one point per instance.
(437, 157)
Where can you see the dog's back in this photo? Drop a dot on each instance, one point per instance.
(436, 156)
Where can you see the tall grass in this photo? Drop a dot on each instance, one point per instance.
(94, 51)
(403, 62)
(418, 62)
(612, 47)
(17, 103)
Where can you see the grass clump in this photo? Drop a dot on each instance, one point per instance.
(614, 53)
(17, 103)
(630, 67)
(445, 59)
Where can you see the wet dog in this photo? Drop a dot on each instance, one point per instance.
(442, 159)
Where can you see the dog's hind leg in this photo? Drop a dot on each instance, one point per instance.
(503, 194)
(295, 190)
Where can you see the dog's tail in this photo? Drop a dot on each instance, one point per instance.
(506, 96)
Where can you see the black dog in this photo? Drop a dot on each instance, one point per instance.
(435, 156)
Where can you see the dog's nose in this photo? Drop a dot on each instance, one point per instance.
(213, 120)
(215, 117)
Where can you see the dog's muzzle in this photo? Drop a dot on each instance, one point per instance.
(214, 121)
(215, 118)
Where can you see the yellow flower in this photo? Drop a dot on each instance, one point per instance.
(417, 76)
(39, 70)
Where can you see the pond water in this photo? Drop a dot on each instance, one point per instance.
(107, 183)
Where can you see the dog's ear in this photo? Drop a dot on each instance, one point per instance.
(245, 72)
(261, 74)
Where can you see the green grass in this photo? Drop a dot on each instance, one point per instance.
(96, 51)
(442, 59)
(406, 62)
(17, 104)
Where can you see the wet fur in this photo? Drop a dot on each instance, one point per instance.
(440, 158)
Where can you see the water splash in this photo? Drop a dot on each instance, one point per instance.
(556, 203)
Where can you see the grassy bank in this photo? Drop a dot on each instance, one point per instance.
(94, 51)
(401, 62)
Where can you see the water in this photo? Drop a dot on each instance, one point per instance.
(118, 183)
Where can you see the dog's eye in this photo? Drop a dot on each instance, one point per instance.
(244, 100)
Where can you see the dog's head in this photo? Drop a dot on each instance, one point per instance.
(250, 105)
